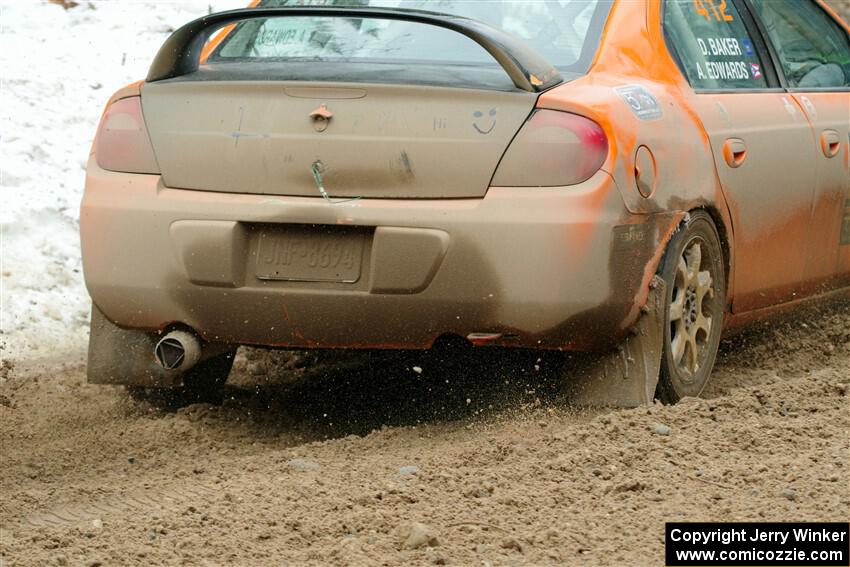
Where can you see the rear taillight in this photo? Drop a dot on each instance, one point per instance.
(553, 149)
(122, 142)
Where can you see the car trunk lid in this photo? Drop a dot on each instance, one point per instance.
(364, 140)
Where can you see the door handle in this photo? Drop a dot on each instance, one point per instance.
(734, 152)
(830, 143)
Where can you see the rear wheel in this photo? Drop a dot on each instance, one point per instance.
(204, 383)
(694, 271)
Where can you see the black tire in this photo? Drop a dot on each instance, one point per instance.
(694, 309)
(202, 384)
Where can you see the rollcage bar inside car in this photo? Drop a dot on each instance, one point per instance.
(181, 53)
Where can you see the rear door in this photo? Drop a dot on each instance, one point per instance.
(813, 55)
(761, 142)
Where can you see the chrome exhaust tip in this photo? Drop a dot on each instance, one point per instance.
(178, 351)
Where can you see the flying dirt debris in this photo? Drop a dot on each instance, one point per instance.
(335, 469)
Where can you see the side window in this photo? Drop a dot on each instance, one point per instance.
(714, 48)
(813, 50)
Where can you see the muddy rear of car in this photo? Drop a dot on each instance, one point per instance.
(381, 177)
(349, 193)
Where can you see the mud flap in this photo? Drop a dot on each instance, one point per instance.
(626, 377)
(121, 356)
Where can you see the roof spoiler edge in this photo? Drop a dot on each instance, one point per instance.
(180, 54)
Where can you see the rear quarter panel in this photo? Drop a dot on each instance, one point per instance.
(633, 53)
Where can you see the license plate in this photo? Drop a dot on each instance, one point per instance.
(310, 255)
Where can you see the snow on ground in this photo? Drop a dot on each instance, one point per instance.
(57, 69)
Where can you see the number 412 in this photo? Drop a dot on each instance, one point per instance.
(719, 11)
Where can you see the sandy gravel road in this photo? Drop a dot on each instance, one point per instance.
(470, 462)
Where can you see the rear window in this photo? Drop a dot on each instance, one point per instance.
(565, 32)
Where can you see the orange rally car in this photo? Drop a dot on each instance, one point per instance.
(628, 178)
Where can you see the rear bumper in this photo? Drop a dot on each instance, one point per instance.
(558, 268)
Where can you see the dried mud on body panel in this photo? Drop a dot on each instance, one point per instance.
(395, 141)
(635, 253)
(470, 258)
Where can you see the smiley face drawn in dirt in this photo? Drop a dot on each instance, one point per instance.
(484, 124)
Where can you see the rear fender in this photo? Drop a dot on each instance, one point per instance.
(634, 65)
(663, 142)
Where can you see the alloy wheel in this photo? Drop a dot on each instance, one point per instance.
(690, 311)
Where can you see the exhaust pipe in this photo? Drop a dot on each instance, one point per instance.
(178, 351)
